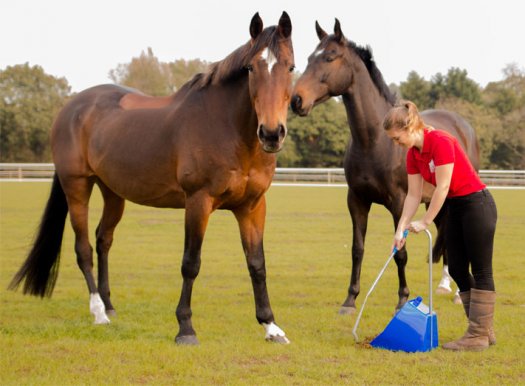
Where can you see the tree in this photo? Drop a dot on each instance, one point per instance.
(29, 101)
(459, 85)
(145, 74)
(508, 94)
(417, 90)
(321, 138)
(148, 75)
(506, 99)
(181, 71)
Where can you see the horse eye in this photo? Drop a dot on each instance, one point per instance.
(329, 59)
(249, 67)
(291, 68)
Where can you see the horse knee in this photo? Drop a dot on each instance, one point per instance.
(357, 254)
(257, 270)
(190, 268)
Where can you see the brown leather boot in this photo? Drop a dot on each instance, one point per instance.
(481, 314)
(465, 298)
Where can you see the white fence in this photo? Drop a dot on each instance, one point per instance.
(288, 176)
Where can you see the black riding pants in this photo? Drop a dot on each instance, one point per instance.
(469, 237)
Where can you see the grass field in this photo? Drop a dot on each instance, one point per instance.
(308, 258)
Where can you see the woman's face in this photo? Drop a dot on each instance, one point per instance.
(402, 137)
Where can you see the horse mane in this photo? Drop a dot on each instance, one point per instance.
(365, 53)
(235, 64)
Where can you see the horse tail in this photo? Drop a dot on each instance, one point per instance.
(40, 270)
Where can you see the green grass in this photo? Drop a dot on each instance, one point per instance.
(308, 257)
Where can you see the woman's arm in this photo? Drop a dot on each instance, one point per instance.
(443, 178)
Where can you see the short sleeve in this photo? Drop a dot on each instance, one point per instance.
(443, 150)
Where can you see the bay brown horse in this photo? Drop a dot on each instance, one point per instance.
(375, 168)
(209, 146)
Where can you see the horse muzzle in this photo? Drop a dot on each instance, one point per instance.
(297, 106)
(272, 139)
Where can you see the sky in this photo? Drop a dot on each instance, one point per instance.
(83, 40)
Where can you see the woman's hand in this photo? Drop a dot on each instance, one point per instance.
(399, 240)
(417, 226)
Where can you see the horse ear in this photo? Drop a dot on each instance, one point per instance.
(337, 30)
(321, 33)
(285, 25)
(256, 26)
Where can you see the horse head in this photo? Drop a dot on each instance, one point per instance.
(329, 71)
(270, 79)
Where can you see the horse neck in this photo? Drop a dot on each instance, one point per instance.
(365, 109)
(233, 100)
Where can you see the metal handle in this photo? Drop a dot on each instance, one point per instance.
(429, 271)
(394, 251)
(405, 234)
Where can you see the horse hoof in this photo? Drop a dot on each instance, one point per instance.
(111, 312)
(278, 339)
(190, 340)
(101, 319)
(457, 299)
(347, 310)
(443, 290)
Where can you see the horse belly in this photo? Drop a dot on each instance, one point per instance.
(139, 174)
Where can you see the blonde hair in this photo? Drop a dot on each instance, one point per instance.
(404, 116)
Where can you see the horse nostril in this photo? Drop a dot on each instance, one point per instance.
(260, 132)
(282, 131)
(296, 103)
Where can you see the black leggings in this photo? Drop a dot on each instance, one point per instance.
(469, 238)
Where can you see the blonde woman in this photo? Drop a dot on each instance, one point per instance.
(435, 156)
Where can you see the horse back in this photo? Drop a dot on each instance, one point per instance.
(93, 136)
(456, 125)
(71, 129)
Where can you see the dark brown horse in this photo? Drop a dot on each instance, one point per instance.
(374, 167)
(209, 146)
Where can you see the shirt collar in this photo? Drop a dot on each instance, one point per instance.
(426, 146)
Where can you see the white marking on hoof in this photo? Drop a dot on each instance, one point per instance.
(457, 298)
(97, 308)
(274, 333)
(444, 285)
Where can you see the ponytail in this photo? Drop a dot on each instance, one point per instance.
(403, 116)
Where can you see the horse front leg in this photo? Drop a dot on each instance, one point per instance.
(401, 257)
(198, 210)
(251, 220)
(359, 213)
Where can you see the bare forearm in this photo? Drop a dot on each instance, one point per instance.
(409, 210)
(436, 203)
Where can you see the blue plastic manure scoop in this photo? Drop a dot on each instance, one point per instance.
(414, 327)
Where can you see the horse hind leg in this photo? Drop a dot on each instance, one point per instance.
(78, 192)
(439, 250)
(111, 216)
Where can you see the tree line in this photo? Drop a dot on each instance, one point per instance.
(30, 99)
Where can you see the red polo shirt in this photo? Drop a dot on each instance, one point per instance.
(441, 148)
